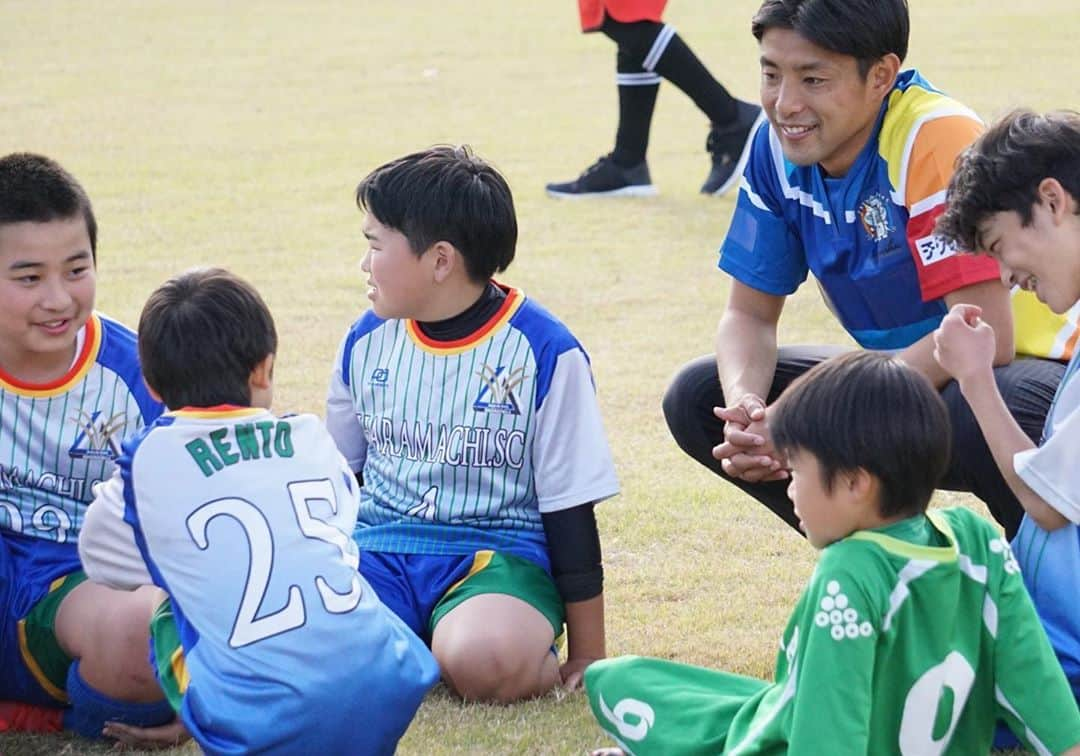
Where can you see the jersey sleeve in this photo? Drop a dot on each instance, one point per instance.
(761, 250)
(836, 652)
(341, 420)
(1050, 470)
(571, 459)
(929, 167)
(107, 545)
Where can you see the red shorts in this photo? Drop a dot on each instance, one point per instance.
(592, 11)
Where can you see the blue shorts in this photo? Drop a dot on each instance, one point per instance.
(35, 575)
(422, 588)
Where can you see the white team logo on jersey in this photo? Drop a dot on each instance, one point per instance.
(497, 394)
(935, 248)
(1001, 546)
(841, 619)
(874, 214)
(96, 435)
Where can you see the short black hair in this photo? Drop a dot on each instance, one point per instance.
(867, 30)
(201, 334)
(446, 193)
(36, 189)
(1002, 171)
(868, 410)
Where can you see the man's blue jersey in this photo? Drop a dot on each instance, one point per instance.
(245, 519)
(464, 444)
(868, 237)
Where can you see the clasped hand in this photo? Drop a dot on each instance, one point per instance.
(747, 452)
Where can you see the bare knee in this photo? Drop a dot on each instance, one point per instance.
(490, 668)
(108, 631)
(497, 648)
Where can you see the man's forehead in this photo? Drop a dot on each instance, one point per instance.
(791, 48)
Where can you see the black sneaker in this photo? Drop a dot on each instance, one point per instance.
(730, 147)
(606, 178)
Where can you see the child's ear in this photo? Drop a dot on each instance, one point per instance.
(860, 482)
(1054, 196)
(262, 375)
(446, 260)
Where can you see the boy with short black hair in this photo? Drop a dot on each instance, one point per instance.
(244, 517)
(1016, 196)
(915, 632)
(469, 414)
(70, 392)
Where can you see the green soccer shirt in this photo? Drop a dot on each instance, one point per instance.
(894, 647)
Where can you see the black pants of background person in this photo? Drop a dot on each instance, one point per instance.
(1026, 384)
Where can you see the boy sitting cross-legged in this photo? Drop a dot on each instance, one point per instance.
(468, 412)
(243, 518)
(915, 632)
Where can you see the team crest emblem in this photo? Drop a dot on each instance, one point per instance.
(874, 214)
(95, 439)
(497, 394)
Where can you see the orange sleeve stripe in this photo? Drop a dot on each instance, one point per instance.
(933, 156)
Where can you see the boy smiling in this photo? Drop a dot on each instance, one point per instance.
(70, 392)
(1016, 195)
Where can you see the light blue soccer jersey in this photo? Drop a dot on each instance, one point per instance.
(1050, 561)
(464, 444)
(868, 237)
(244, 518)
(57, 441)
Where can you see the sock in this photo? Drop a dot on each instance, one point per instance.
(91, 709)
(637, 100)
(637, 88)
(16, 716)
(676, 62)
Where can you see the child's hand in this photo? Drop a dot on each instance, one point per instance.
(147, 738)
(964, 343)
(572, 672)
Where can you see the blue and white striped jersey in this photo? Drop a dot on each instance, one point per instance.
(463, 444)
(58, 440)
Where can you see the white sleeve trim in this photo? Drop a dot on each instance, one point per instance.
(341, 418)
(571, 459)
(107, 545)
(1051, 471)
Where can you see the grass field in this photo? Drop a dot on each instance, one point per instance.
(233, 134)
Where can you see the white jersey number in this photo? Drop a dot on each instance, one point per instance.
(249, 626)
(921, 705)
(46, 519)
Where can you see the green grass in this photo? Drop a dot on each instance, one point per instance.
(234, 134)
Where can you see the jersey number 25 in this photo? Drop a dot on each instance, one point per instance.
(250, 627)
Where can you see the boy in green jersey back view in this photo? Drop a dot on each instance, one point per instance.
(915, 633)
